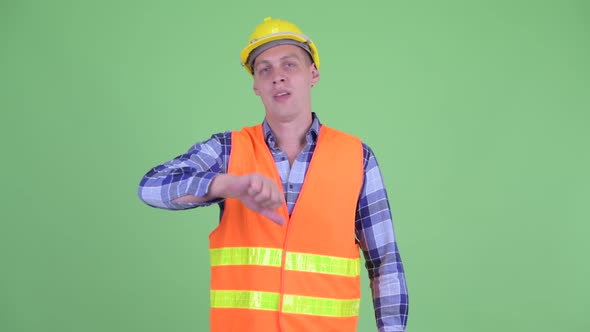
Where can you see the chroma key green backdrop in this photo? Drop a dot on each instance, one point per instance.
(478, 112)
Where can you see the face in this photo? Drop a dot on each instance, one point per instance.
(283, 77)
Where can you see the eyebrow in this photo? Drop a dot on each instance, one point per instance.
(290, 55)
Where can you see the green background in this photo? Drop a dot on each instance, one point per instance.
(478, 112)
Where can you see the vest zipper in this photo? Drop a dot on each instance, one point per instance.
(283, 261)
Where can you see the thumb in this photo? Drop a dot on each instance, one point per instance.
(276, 217)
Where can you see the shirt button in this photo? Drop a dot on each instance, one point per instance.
(290, 186)
(283, 158)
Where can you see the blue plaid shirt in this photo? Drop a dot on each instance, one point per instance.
(192, 173)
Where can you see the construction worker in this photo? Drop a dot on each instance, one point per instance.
(297, 198)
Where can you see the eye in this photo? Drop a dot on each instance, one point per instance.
(290, 66)
(263, 70)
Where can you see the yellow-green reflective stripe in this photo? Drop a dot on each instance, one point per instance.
(293, 304)
(245, 256)
(349, 267)
(244, 300)
(320, 306)
(323, 264)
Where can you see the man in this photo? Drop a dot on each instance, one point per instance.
(297, 200)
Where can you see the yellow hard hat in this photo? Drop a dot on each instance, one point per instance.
(273, 29)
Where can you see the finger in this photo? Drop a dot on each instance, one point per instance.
(274, 200)
(276, 217)
(255, 185)
(270, 205)
(280, 197)
(264, 195)
(277, 200)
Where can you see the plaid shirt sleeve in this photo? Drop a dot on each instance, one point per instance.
(190, 173)
(374, 231)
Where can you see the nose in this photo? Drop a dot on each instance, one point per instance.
(279, 77)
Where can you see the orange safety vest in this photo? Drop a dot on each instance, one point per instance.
(304, 275)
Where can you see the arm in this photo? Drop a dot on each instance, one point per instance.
(374, 230)
(198, 178)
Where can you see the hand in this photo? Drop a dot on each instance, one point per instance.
(259, 193)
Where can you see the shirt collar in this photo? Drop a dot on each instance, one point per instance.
(311, 136)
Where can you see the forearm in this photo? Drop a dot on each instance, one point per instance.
(387, 279)
(176, 189)
(390, 295)
(184, 182)
(217, 189)
(257, 192)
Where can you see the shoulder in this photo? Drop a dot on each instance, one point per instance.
(369, 159)
(248, 130)
(223, 138)
(340, 138)
(215, 144)
(340, 133)
(367, 151)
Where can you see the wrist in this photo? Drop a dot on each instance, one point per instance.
(220, 186)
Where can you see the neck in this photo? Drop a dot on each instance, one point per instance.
(290, 133)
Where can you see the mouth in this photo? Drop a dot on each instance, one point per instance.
(281, 96)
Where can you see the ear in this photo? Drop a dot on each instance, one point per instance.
(256, 91)
(315, 74)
